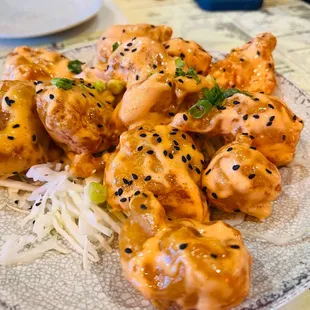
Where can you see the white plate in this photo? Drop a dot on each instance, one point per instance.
(279, 272)
(34, 18)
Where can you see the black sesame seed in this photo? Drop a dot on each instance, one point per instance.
(170, 84)
(190, 166)
(198, 170)
(261, 92)
(183, 136)
(161, 71)
(124, 199)
(137, 193)
(137, 77)
(188, 157)
(155, 135)
(245, 134)
(169, 219)
(270, 65)
(84, 95)
(16, 126)
(34, 138)
(224, 70)
(134, 176)
(268, 171)
(251, 176)
(143, 135)
(15, 172)
(234, 246)
(258, 53)
(181, 81)
(144, 194)
(300, 121)
(256, 116)
(154, 66)
(10, 138)
(269, 124)
(283, 137)
(213, 255)
(147, 178)
(159, 139)
(183, 159)
(99, 105)
(175, 142)
(165, 153)
(229, 149)
(140, 148)
(214, 196)
(177, 148)
(140, 128)
(237, 210)
(124, 30)
(16, 201)
(143, 207)
(130, 182)
(204, 189)
(171, 113)
(129, 44)
(99, 125)
(271, 118)
(193, 147)
(170, 155)
(134, 50)
(208, 172)
(150, 152)
(241, 59)
(185, 117)
(120, 192)
(182, 55)
(256, 99)
(175, 129)
(116, 193)
(167, 46)
(294, 118)
(236, 102)
(172, 133)
(128, 250)
(134, 38)
(245, 117)
(270, 106)
(236, 167)
(252, 137)
(38, 203)
(125, 181)
(39, 91)
(92, 94)
(183, 246)
(252, 147)
(126, 49)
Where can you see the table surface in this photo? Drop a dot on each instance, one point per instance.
(288, 20)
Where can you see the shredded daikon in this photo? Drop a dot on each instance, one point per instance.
(62, 205)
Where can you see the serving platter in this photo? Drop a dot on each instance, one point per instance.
(280, 272)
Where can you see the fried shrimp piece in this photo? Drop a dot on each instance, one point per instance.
(149, 102)
(162, 160)
(25, 63)
(274, 128)
(250, 67)
(183, 263)
(137, 59)
(79, 118)
(23, 139)
(241, 178)
(192, 53)
(121, 33)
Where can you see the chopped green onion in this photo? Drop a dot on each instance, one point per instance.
(115, 46)
(63, 83)
(213, 97)
(100, 86)
(201, 108)
(75, 66)
(179, 63)
(116, 87)
(97, 192)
